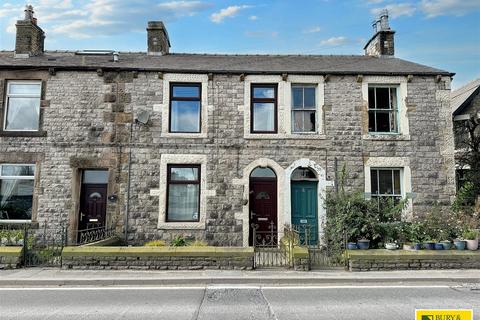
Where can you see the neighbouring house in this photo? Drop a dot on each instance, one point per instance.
(211, 146)
(465, 108)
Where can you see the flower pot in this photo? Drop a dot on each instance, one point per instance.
(438, 246)
(391, 246)
(352, 246)
(472, 244)
(363, 244)
(447, 245)
(408, 247)
(459, 244)
(417, 246)
(429, 245)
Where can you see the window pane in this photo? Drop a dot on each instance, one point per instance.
(385, 181)
(186, 91)
(396, 181)
(303, 174)
(383, 101)
(16, 197)
(371, 121)
(393, 98)
(184, 174)
(185, 116)
(22, 114)
(183, 202)
(24, 88)
(95, 176)
(18, 170)
(309, 97)
(383, 122)
(297, 96)
(374, 181)
(309, 121)
(263, 117)
(263, 173)
(371, 98)
(264, 92)
(298, 121)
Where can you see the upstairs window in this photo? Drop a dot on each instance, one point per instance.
(183, 193)
(386, 184)
(185, 107)
(382, 110)
(16, 191)
(304, 108)
(22, 106)
(263, 108)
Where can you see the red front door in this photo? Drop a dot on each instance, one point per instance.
(263, 211)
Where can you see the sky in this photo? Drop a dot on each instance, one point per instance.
(439, 33)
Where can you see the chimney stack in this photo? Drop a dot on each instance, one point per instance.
(157, 38)
(30, 37)
(382, 42)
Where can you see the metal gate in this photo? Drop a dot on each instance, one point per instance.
(273, 249)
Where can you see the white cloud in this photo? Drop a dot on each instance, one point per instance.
(93, 18)
(313, 30)
(334, 41)
(253, 18)
(434, 8)
(396, 10)
(228, 12)
(254, 34)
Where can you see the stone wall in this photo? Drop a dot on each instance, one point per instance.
(10, 257)
(381, 260)
(87, 123)
(148, 258)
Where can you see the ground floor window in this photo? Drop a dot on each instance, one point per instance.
(16, 191)
(386, 184)
(183, 193)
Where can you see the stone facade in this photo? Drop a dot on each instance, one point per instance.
(87, 118)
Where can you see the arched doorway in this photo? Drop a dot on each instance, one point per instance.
(304, 203)
(263, 206)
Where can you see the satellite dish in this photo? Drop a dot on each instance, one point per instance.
(142, 117)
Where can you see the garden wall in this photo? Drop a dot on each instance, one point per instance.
(159, 258)
(10, 257)
(380, 260)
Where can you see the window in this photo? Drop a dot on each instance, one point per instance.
(183, 193)
(382, 110)
(185, 107)
(22, 106)
(16, 191)
(264, 108)
(386, 184)
(304, 108)
(263, 173)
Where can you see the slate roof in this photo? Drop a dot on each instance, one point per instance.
(461, 97)
(221, 63)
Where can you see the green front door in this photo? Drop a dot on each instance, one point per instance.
(304, 208)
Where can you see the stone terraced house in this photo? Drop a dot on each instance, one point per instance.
(208, 145)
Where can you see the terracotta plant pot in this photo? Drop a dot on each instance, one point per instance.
(472, 244)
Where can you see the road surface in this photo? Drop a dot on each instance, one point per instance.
(234, 302)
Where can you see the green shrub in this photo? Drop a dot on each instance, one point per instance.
(470, 234)
(155, 243)
(178, 241)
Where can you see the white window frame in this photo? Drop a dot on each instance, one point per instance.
(2, 177)
(293, 110)
(399, 82)
(183, 159)
(8, 95)
(168, 78)
(401, 163)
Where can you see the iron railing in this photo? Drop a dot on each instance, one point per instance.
(91, 235)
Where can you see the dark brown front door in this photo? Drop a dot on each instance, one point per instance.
(263, 210)
(93, 206)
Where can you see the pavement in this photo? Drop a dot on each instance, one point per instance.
(60, 277)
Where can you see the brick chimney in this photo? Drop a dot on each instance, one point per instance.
(30, 37)
(157, 38)
(382, 42)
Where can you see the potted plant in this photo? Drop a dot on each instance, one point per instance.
(459, 244)
(438, 246)
(391, 246)
(471, 238)
(429, 244)
(363, 244)
(352, 246)
(447, 244)
(408, 246)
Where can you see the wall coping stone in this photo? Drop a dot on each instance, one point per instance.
(11, 251)
(300, 252)
(379, 254)
(159, 251)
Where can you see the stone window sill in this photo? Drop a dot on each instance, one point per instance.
(387, 137)
(23, 133)
(285, 137)
(181, 225)
(184, 135)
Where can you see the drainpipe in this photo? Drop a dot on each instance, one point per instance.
(127, 206)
